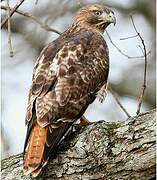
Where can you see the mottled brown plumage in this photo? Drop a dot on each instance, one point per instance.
(67, 77)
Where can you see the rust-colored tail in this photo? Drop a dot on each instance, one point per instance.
(39, 144)
(33, 159)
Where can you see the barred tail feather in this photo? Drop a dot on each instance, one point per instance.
(40, 145)
(33, 159)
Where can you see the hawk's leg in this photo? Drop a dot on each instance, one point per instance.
(74, 127)
(84, 121)
(102, 93)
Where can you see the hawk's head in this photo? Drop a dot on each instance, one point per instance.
(96, 16)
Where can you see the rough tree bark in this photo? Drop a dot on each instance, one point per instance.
(103, 150)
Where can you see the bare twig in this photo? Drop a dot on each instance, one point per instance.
(141, 49)
(145, 68)
(128, 37)
(120, 51)
(118, 102)
(36, 2)
(79, 3)
(28, 15)
(9, 31)
(12, 12)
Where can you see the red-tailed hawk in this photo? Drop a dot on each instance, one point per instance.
(67, 77)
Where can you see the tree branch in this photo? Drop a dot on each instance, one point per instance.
(9, 31)
(28, 15)
(115, 96)
(103, 150)
(120, 51)
(12, 12)
(145, 68)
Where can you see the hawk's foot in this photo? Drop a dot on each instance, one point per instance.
(84, 121)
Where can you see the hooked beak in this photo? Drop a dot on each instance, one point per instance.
(110, 18)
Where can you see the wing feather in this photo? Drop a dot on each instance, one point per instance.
(42, 78)
(78, 74)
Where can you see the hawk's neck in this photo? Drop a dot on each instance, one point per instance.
(77, 28)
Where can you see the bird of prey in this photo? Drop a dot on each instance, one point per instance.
(68, 75)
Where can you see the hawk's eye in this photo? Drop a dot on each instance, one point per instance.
(98, 13)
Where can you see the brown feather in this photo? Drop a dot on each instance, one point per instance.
(67, 77)
(36, 145)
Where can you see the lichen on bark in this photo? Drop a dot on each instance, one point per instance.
(103, 150)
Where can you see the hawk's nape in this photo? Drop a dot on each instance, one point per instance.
(67, 77)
